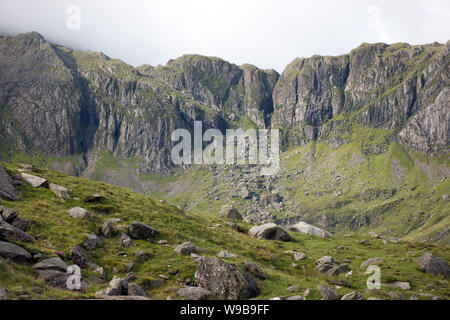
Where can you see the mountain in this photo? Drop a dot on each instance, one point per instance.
(365, 136)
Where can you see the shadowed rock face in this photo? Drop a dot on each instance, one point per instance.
(225, 280)
(63, 102)
(7, 189)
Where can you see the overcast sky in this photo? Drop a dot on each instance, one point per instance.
(266, 33)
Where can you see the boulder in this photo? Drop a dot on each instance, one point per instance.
(91, 241)
(297, 255)
(245, 194)
(14, 253)
(94, 198)
(135, 290)
(7, 189)
(108, 227)
(54, 278)
(254, 269)
(34, 181)
(225, 280)
(352, 296)
(80, 213)
(270, 231)
(125, 240)
(230, 212)
(141, 256)
(434, 265)
(3, 295)
(117, 287)
(339, 282)
(22, 224)
(79, 257)
(139, 230)
(8, 214)
(8, 231)
(337, 270)
(327, 292)
(371, 261)
(195, 293)
(326, 263)
(54, 263)
(306, 228)
(60, 191)
(188, 247)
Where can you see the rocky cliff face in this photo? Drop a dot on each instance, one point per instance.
(61, 102)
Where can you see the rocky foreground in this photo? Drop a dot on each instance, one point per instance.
(130, 246)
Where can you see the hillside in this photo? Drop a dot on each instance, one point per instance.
(364, 135)
(45, 216)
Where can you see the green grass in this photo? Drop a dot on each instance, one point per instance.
(56, 230)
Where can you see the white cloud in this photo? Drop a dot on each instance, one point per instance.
(267, 33)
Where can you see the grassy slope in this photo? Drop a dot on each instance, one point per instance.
(56, 230)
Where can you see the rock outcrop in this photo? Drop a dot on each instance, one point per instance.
(225, 280)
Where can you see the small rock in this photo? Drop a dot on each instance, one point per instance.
(254, 269)
(227, 255)
(352, 296)
(80, 213)
(230, 212)
(60, 191)
(195, 293)
(292, 289)
(79, 257)
(327, 292)
(188, 247)
(371, 261)
(91, 241)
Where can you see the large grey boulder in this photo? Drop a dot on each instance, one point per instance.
(195, 293)
(79, 257)
(9, 232)
(327, 292)
(326, 263)
(60, 191)
(54, 278)
(54, 263)
(80, 213)
(34, 181)
(7, 189)
(434, 265)
(270, 231)
(139, 230)
(230, 212)
(225, 280)
(188, 247)
(306, 228)
(14, 253)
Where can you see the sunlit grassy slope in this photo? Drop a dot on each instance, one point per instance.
(55, 229)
